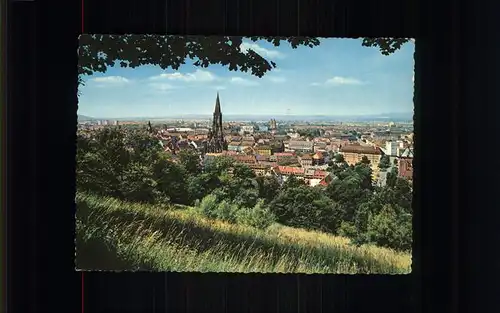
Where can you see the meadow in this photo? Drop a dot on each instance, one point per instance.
(117, 235)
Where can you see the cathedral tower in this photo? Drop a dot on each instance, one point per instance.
(216, 142)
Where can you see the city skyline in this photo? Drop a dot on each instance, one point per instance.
(339, 77)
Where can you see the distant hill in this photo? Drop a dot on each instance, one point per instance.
(83, 118)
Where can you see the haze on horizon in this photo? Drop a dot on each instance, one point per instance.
(338, 78)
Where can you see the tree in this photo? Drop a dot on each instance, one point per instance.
(292, 182)
(243, 171)
(365, 160)
(190, 160)
(365, 173)
(385, 162)
(170, 178)
(198, 186)
(392, 177)
(339, 158)
(268, 188)
(307, 207)
(98, 52)
(348, 192)
(388, 229)
(386, 46)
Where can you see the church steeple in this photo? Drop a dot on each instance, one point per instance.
(216, 141)
(217, 105)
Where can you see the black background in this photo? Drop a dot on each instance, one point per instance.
(456, 178)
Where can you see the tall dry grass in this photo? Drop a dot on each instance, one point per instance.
(115, 235)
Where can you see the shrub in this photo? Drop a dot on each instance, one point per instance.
(208, 206)
(226, 211)
(259, 216)
(347, 229)
(388, 229)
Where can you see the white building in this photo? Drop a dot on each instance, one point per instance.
(247, 128)
(391, 148)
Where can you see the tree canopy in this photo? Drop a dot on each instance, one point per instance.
(98, 52)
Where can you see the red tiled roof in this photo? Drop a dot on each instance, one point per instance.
(285, 154)
(291, 170)
(320, 173)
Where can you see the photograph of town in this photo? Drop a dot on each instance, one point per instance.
(231, 154)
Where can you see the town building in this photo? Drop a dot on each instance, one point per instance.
(391, 148)
(354, 153)
(305, 160)
(405, 164)
(301, 145)
(247, 129)
(263, 150)
(234, 146)
(318, 158)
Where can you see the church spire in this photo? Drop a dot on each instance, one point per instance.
(217, 105)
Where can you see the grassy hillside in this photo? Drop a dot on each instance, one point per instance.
(114, 235)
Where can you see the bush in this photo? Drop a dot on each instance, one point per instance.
(226, 211)
(388, 229)
(208, 206)
(347, 229)
(259, 216)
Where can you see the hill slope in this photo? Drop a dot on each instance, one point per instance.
(114, 235)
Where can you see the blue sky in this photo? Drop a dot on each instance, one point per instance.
(338, 77)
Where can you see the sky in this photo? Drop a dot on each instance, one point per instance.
(338, 77)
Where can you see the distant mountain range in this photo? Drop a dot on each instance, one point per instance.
(83, 118)
(394, 117)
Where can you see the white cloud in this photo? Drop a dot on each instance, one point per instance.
(267, 53)
(243, 81)
(162, 86)
(197, 76)
(110, 80)
(339, 81)
(277, 79)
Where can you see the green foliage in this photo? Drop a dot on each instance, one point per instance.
(386, 46)
(226, 211)
(306, 207)
(246, 197)
(129, 164)
(117, 235)
(259, 216)
(242, 171)
(190, 160)
(339, 158)
(170, 177)
(385, 162)
(138, 185)
(310, 133)
(98, 52)
(268, 187)
(208, 206)
(388, 229)
(365, 160)
(347, 229)
(392, 177)
(198, 186)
